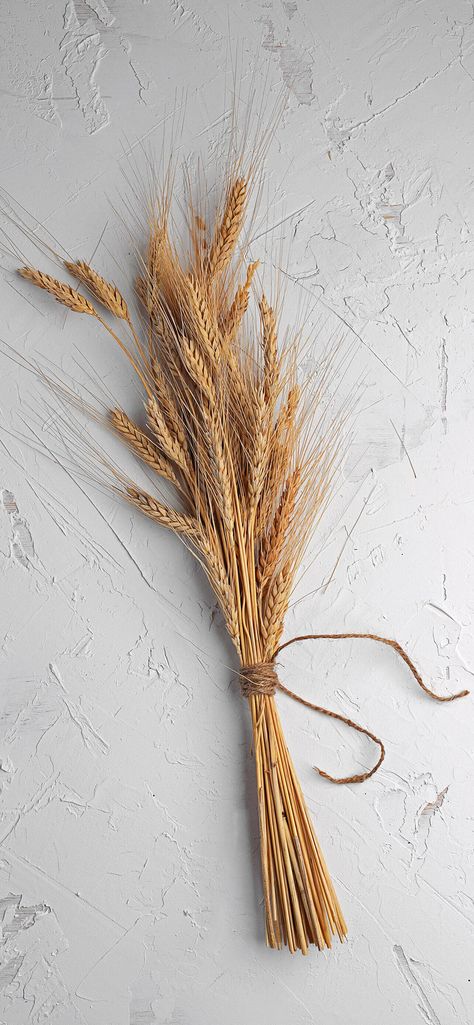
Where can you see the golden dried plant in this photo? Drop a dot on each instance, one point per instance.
(227, 428)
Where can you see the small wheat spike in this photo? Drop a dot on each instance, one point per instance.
(239, 306)
(270, 352)
(166, 437)
(272, 544)
(227, 232)
(196, 366)
(141, 444)
(163, 514)
(60, 290)
(104, 291)
(202, 320)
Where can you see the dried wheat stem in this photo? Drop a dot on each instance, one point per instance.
(125, 351)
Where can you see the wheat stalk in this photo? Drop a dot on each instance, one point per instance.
(219, 459)
(222, 585)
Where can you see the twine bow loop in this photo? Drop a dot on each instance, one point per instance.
(262, 679)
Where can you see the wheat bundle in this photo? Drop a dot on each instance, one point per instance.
(228, 428)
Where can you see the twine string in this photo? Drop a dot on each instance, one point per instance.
(262, 679)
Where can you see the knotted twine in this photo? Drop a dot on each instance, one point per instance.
(262, 679)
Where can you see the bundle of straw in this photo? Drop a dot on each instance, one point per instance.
(227, 427)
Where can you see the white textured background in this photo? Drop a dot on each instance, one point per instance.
(129, 876)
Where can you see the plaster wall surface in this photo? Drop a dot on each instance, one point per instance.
(129, 874)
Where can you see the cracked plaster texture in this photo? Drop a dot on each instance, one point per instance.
(129, 876)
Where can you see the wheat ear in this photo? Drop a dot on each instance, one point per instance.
(274, 612)
(155, 246)
(60, 290)
(78, 303)
(219, 453)
(221, 583)
(281, 448)
(270, 351)
(166, 436)
(239, 306)
(227, 232)
(272, 544)
(104, 291)
(259, 450)
(203, 321)
(141, 444)
(167, 404)
(197, 368)
(188, 526)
